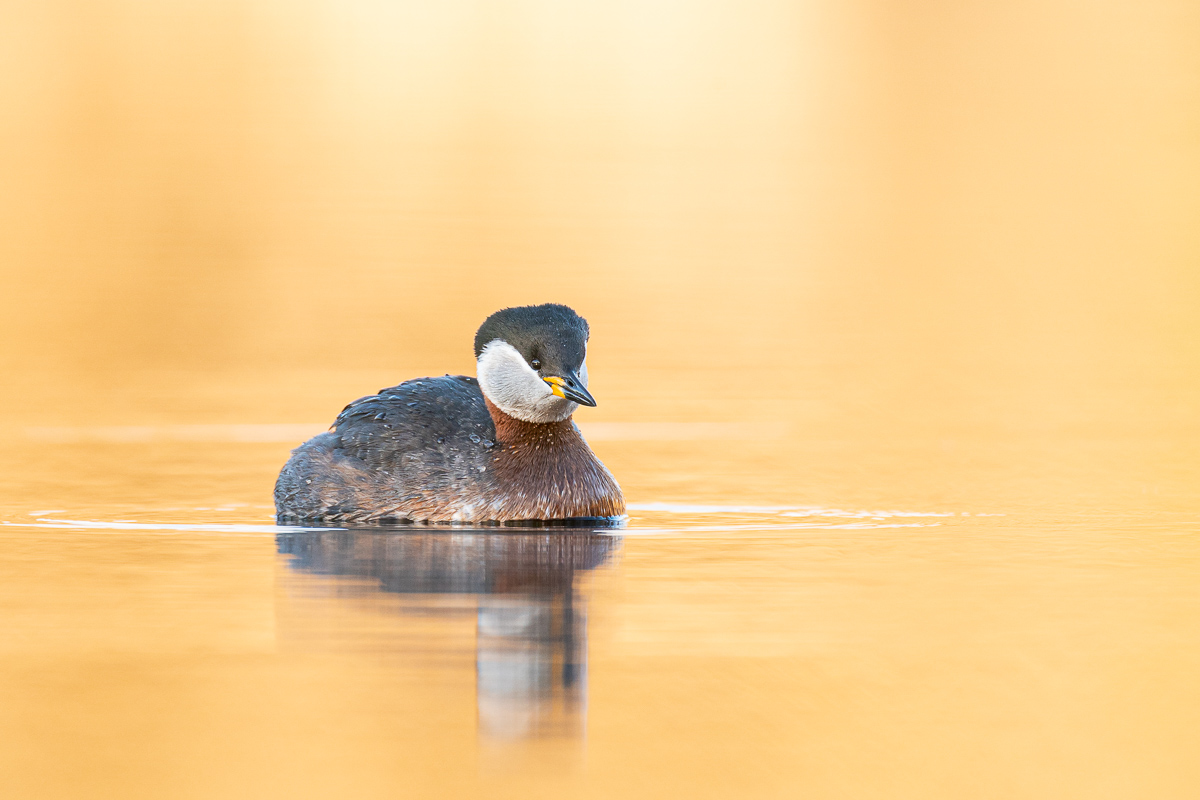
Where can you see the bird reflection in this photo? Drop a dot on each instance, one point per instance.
(531, 623)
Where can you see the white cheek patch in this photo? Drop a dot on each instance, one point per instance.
(516, 389)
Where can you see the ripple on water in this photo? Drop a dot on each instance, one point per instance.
(650, 519)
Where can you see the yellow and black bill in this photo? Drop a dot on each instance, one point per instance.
(571, 388)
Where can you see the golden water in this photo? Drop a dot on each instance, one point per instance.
(895, 340)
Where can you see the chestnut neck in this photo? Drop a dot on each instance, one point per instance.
(545, 470)
(510, 430)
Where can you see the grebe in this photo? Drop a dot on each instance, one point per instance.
(501, 448)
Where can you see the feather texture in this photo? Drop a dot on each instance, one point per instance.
(435, 450)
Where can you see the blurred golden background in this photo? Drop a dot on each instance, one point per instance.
(933, 256)
(848, 214)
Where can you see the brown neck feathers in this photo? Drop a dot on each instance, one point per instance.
(515, 432)
(547, 471)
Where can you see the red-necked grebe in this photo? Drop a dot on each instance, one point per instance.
(501, 448)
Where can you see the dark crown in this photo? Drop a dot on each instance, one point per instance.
(551, 333)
